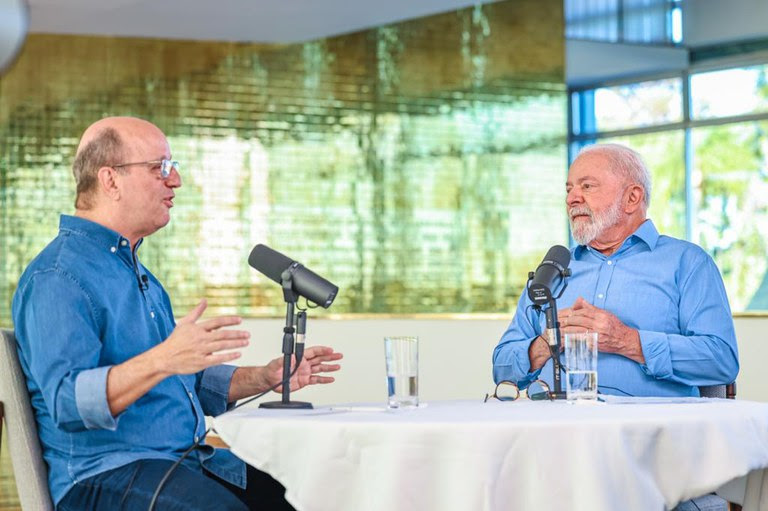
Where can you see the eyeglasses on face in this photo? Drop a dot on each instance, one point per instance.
(165, 166)
(506, 390)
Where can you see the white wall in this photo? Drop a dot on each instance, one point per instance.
(753, 352)
(708, 22)
(588, 62)
(455, 356)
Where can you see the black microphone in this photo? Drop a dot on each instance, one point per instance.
(305, 282)
(143, 282)
(549, 274)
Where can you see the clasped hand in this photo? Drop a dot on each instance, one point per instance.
(613, 336)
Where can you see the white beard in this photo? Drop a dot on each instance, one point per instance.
(585, 232)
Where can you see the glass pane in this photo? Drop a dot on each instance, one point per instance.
(638, 104)
(730, 180)
(664, 154)
(646, 21)
(639, 21)
(747, 92)
(592, 19)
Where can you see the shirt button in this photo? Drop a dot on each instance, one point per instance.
(123, 243)
(600, 295)
(190, 395)
(196, 438)
(152, 314)
(610, 263)
(113, 249)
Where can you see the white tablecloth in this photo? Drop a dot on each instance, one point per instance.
(460, 455)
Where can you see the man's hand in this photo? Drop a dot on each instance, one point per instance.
(310, 368)
(193, 345)
(247, 381)
(190, 348)
(538, 352)
(613, 336)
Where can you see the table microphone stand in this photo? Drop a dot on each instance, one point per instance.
(543, 295)
(553, 333)
(288, 342)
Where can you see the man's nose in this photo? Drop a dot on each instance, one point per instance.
(574, 196)
(173, 180)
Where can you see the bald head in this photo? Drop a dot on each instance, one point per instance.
(103, 144)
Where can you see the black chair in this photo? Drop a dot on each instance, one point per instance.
(712, 502)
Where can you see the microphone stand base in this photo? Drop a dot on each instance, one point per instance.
(290, 405)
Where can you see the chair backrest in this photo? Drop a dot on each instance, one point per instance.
(722, 391)
(29, 468)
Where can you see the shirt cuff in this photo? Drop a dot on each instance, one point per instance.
(214, 389)
(658, 362)
(91, 399)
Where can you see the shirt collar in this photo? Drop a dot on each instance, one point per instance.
(103, 236)
(646, 233)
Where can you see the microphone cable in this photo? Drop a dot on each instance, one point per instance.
(167, 475)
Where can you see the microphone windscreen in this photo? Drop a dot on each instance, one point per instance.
(560, 255)
(269, 262)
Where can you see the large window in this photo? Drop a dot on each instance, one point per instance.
(709, 160)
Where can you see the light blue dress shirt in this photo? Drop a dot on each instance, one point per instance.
(669, 290)
(81, 307)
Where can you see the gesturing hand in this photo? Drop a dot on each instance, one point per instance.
(193, 345)
(313, 363)
(613, 336)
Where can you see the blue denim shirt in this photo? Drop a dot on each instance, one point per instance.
(80, 309)
(669, 290)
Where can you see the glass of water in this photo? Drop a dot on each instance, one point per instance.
(581, 366)
(402, 357)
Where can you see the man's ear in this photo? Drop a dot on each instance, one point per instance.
(634, 198)
(108, 183)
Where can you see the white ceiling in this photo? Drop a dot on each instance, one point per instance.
(273, 21)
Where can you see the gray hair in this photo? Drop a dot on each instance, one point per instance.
(626, 163)
(105, 149)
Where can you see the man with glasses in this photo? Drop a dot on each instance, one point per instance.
(120, 389)
(657, 303)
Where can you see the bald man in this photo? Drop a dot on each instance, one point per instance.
(119, 388)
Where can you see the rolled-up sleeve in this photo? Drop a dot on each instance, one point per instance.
(91, 398)
(213, 389)
(510, 357)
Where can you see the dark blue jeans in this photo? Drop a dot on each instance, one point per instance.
(131, 487)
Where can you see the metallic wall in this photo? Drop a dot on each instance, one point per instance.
(419, 166)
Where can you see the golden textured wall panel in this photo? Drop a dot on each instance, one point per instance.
(419, 165)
